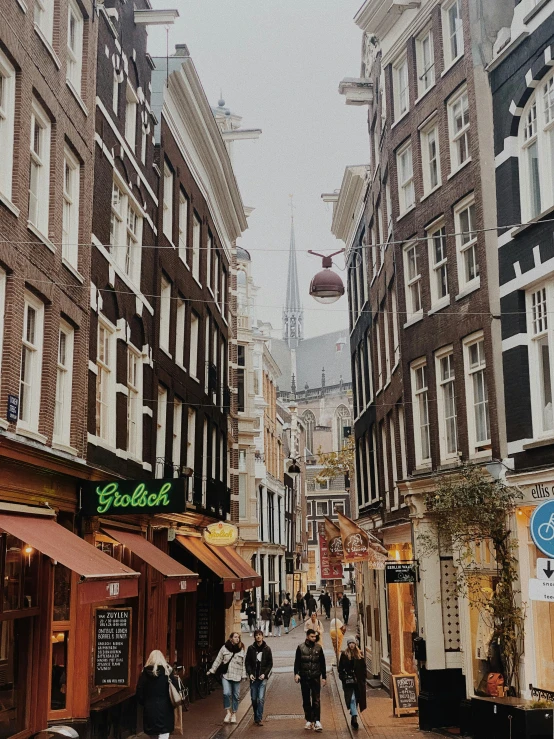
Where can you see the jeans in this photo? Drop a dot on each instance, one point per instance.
(257, 694)
(264, 626)
(311, 697)
(231, 694)
(353, 706)
(277, 631)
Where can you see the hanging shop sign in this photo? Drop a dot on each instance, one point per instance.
(112, 653)
(221, 534)
(13, 408)
(330, 570)
(400, 572)
(334, 542)
(542, 527)
(126, 497)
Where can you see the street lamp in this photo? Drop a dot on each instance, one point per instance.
(293, 470)
(326, 287)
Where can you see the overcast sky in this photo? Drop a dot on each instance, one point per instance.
(278, 64)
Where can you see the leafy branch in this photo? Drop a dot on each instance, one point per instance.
(337, 463)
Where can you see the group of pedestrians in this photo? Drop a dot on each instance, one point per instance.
(272, 621)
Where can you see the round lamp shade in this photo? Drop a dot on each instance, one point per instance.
(293, 470)
(326, 287)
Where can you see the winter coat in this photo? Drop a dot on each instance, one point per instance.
(309, 661)
(265, 613)
(153, 694)
(317, 626)
(262, 666)
(355, 668)
(235, 660)
(312, 605)
(251, 615)
(278, 618)
(287, 614)
(345, 603)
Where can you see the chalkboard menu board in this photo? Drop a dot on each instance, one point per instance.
(405, 693)
(112, 646)
(203, 624)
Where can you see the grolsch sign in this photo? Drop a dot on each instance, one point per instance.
(126, 497)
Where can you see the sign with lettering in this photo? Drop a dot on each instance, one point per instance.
(203, 624)
(221, 534)
(329, 570)
(405, 694)
(112, 653)
(123, 497)
(400, 572)
(13, 408)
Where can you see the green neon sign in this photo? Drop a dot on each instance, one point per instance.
(125, 497)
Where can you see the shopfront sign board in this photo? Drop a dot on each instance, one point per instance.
(129, 497)
(203, 624)
(405, 694)
(13, 408)
(545, 569)
(112, 640)
(542, 527)
(400, 572)
(221, 534)
(541, 589)
(329, 570)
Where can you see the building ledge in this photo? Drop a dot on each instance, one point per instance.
(150, 17)
(356, 90)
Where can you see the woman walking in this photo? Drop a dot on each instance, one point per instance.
(231, 659)
(314, 623)
(153, 694)
(287, 615)
(300, 606)
(353, 672)
(277, 621)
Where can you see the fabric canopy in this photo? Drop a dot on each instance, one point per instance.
(193, 544)
(229, 556)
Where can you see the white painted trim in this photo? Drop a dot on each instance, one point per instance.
(516, 447)
(511, 149)
(516, 340)
(527, 278)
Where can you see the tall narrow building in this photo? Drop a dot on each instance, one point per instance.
(293, 315)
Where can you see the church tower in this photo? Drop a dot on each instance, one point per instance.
(293, 315)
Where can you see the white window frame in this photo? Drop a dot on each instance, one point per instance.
(126, 226)
(430, 158)
(379, 355)
(539, 322)
(395, 335)
(322, 508)
(161, 431)
(477, 447)
(180, 332)
(165, 313)
(425, 62)
(39, 182)
(413, 282)
(394, 462)
(448, 422)
(209, 264)
(341, 508)
(196, 245)
(183, 225)
(401, 85)
(64, 386)
(33, 346)
(406, 186)
(402, 435)
(453, 37)
(388, 363)
(466, 245)
(385, 460)
(134, 402)
(194, 339)
(369, 355)
(2, 314)
(115, 91)
(7, 124)
(461, 138)
(177, 436)
(106, 382)
(44, 18)
(131, 103)
(167, 203)
(376, 489)
(204, 462)
(362, 395)
(74, 60)
(420, 405)
(191, 443)
(71, 203)
(438, 265)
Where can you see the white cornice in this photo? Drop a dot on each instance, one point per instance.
(350, 202)
(149, 17)
(379, 16)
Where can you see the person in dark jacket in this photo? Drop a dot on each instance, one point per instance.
(327, 603)
(311, 672)
(353, 673)
(153, 695)
(312, 605)
(258, 663)
(300, 605)
(344, 601)
(287, 615)
(251, 616)
(277, 621)
(265, 618)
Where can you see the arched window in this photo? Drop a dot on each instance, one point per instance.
(343, 425)
(309, 422)
(241, 277)
(536, 141)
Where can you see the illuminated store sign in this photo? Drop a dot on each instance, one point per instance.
(125, 497)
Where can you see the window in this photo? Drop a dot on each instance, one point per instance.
(132, 252)
(402, 433)
(412, 271)
(177, 434)
(165, 313)
(466, 245)
(224, 293)
(161, 423)
(115, 91)
(241, 371)
(31, 363)
(70, 228)
(216, 277)
(362, 396)
(453, 32)
(369, 355)
(385, 459)
(183, 225)
(180, 333)
(131, 101)
(394, 463)
(209, 260)
(191, 438)
(134, 403)
(343, 425)
(309, 422)
(401, 87)
(437, 265)
(116, 220)
(204, 462)
(385, 314)
(446, 396)
(425, 62)
(539, 361)
(379, 357)
(420, 395)
(388, 201)
(196, 234)
(2, 313)
(458, 125)
(406, 192)
(39, 176)
(322, 507)
(62, 413)
(44, 18)
(477, 395)
(194, 338)
(395, 339)
(74, 46)
(105, 383)
(338, 507)
(126, 232)
(7, 123)
(430, 158)
(168, 202)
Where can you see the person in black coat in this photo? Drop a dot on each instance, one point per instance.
(312, 605)
(153, 695)
(287, 615)
(353, 673)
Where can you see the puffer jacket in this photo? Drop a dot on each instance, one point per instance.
(235, 660)
(309, 661)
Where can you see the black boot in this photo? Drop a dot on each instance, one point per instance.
(354, 722)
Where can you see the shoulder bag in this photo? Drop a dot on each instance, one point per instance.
(174, 695)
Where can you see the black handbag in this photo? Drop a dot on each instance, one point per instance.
(223, 667)
(350, 680)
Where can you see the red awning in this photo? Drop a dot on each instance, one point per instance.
(178, 578)
(102, 576)
(195, 545)
(229, 556)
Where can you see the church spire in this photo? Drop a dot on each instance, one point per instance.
(293, 316)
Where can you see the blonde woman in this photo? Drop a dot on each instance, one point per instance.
(353, 673)
(153, 694)
(336, 633)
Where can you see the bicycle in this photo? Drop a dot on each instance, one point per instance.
(547, 527)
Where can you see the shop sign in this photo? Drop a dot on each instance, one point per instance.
(405, 693)
(221, 534)
(542, 527)
(537, 493)
(329, 569)
(541, 589)
(13, 408)
(112, 653)
(400, 572)
(126, 497)
(545, 568)
(203, 624)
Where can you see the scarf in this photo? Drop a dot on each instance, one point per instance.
(234, 648)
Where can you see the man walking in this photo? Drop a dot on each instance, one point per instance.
(265, 618)
(258, 664)
(345, 603)
(310, 671)
(327, 603)
(312, 605)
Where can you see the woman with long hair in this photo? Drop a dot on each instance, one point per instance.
(353, 673)
(230, 663)
(153, 694)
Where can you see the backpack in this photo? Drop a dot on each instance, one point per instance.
(494, 681)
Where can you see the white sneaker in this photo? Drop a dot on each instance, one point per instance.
(309, 725)
(233, 718)
(227, 718)
(318, 726)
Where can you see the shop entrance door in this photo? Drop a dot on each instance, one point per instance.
(15, 640)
